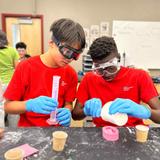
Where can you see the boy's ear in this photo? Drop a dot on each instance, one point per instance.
(51, 43)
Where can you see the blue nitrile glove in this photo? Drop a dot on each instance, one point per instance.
(42, 104)
(64, 116)
(93, 107)
(129, 107)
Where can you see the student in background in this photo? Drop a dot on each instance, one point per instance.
(21, 48)
(29, 92)
(8, 59)
(126, 87)
(8, 62)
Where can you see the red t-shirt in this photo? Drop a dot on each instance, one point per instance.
(32, 79)
(134, 84)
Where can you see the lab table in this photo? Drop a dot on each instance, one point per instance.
(83, 144)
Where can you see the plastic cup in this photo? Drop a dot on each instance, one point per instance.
(14, 154)
(118, 119)
(1, 132)
(142, 133)
(59, 140)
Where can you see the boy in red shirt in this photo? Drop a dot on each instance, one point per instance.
(126, 87)
(30, 90)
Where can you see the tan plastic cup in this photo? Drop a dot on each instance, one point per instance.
(14, 154)
(1, 132)
(142, 133)
(59, 140)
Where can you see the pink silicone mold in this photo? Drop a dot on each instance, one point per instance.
(110, 133)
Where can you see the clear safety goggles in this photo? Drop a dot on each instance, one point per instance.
(67, 51)
(111, 67)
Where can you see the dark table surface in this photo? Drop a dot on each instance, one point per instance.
(83, 144)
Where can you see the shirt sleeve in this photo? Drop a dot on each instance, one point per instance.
(147, 88)
(82, 93)
(18, 83)
(72, 88)
(15, 54)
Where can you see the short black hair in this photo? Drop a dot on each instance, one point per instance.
(21, 45)
(102, 47)
(66, 30)
(3, 40)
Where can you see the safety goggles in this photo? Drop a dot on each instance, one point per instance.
(111, 67)
(67, 51)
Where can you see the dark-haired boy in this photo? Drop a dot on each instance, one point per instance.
(109, 81)
(21, 48)
(29, 92)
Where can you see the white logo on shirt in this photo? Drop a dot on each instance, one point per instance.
(127, 88)
(63, 83)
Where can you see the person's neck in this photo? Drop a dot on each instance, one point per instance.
(47, 60)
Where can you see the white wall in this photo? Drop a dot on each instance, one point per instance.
(86, 12)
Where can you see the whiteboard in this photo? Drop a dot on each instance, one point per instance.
(140, 41)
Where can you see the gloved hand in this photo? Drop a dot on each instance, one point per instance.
(64, 116)
(42, 104)
(129, 107)
(93, 107)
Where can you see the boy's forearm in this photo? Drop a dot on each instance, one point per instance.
(155, 116)
(15, 107)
